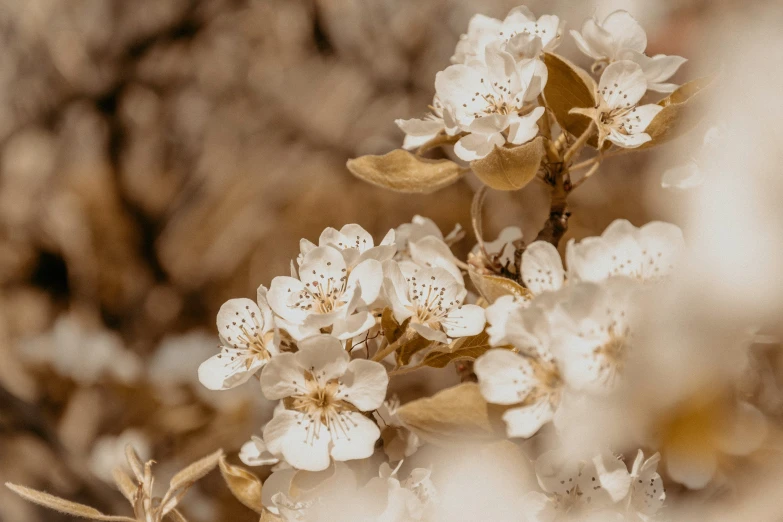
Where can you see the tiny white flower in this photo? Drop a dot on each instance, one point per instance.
(354, 243)
(419, 131)
(617, 114)
(398, 441)
(647, 491)
(520, 31)
(572, 486)
(327, 392)
(419, 228)
(327, 293)
(248, 340)
(489, 98)
(433, 301)
(647, 253)
(255, 453)
(620, 37)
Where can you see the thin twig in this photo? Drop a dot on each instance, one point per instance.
(585, 163)
(573, 149)
(589, 173)
(384, 352)
(475, 214)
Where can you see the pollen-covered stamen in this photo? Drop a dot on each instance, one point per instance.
(322, 294)
(429, 301)
(320, 407)
(247, 339)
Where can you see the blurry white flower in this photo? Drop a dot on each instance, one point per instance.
(498, 314)
(109, 452)
(529, 380)
(420, 131)
(326, 293)
(647, 492)
(354, 243)
(646, 253)
(617, 114)
(520, 32)
(572, 487)
(255, 453)
(542, 268)
(432, 299)
(590, 325)
(327, 394)
(692, 173)
(247, 341)
(620, 37)
(490, 97)
(82, 353)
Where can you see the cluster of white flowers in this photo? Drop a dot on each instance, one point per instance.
(490, 95)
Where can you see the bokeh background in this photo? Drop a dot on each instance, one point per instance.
(158, 157)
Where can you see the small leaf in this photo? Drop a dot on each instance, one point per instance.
(392, 330)
(410, 348)
(682, 110)
(568, 87)
(453, 416)
(510, 168)
(402, 171)
(63, 506)
(463, 348)
(195, 471)
(245, 486)
(493, 286)
(135, 463)
(125, 484)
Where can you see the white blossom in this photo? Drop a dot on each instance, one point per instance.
(647, 253)
(398, 441)
(520, 31)
(433, 301)
(327, 293)
(419, 228)
(255, 453)
(354, 243)
(327, 393)
(248, 341)
(491, 97)
(617, 114)
(647, 491)
(620, 37)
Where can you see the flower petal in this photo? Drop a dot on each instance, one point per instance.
(525, 128)
(324, 356)
(227, 369)
(476, 146)
(542, 268)
(282, 377)
(353, 437)
(504, 376)
(464, 321)
(364, 384)
(368, 274)
(301, 443)
(626, 31)
(622, 84)
(525, 422)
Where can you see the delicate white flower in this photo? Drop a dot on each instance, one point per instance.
(647, 491)
(489, 98)
(248, 340)
(692, 173)
(591, 328)
(420, 131)
(647, 253)
(520, 32)
(255, 453)
(433, 301)
(327, 393)
(617, 114)
(354, 243)
(529, 380)
(398, 441)
(572, 487)
(419, 228)
(620, 37)
(327, 293)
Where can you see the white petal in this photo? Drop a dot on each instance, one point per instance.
(539, 507)
(430, 333)
(255, 453)
(434, 252)
(683, 177)
(600, 43)
(525, 128)
(464, 321)
(427, 128)
(524, 422)
(395, 289)
(476, 146)
(613, 475)
(227, 369)
(324, 356)
(692, 467)
(283, 296)
(498, 314)
(744, 432)
(364, 384)
(240, 324)
(323, 266)
(626, 31)
(353, 325)
(266, 311)
(628, 141)
(282, 377)
(622, 84)
(357, 237)
(369, 274)
(584, 45)
(353, 437)
(302, 445)
(542, 269)
(661, 244)
(505, 377)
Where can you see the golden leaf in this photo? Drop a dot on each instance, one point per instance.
(402, 171)
(63, 506)
(568, 87)
(125, 484)
(682, 110)
(492, 286)
(392, 330)
(463, 348)
(453, 416)
(245, 486)
(510, 168)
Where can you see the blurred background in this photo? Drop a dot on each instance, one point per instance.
(158, 157)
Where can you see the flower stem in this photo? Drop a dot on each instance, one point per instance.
(391, 348)
(579, 143)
